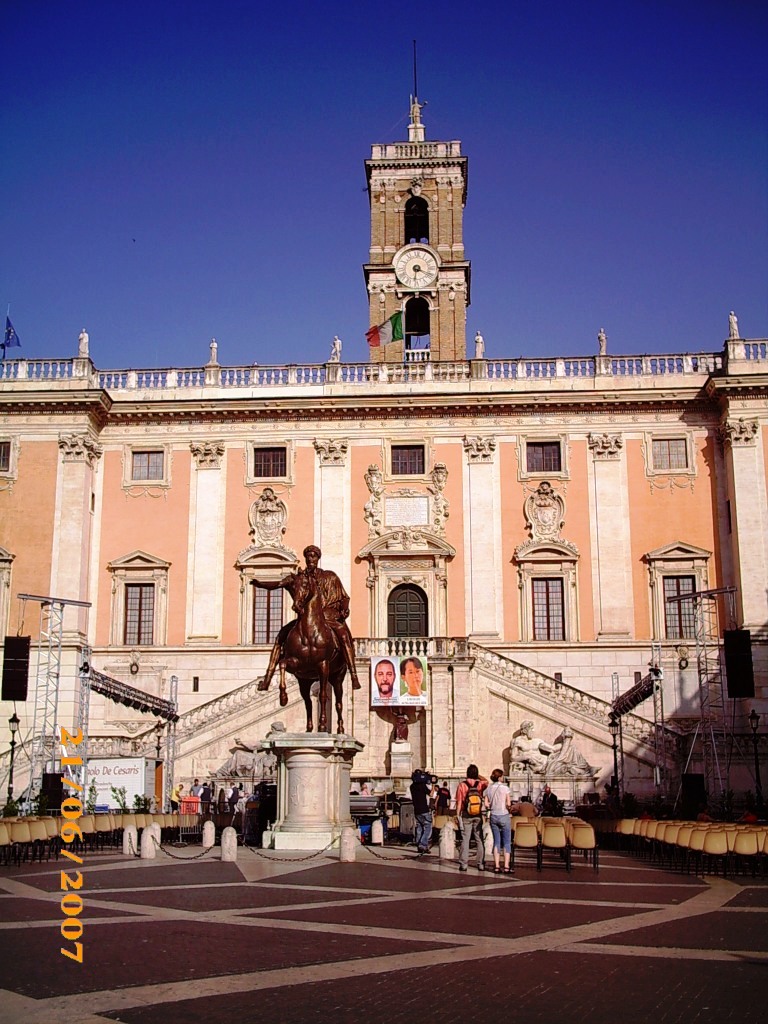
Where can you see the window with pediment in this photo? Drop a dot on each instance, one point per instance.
(675, 570)
(139, 613)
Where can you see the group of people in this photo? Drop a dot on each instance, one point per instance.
(226, 800)
(476, 799)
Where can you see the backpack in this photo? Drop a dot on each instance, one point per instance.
(473, 802)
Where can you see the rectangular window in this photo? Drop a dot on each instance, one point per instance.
(543, 457)
(5, 456)
(269, 462)
(267, 615)
(195, 684)
(670, 453)
(139, 613)
(548, 609)
(407, 459)
(678, 615)
(147, 465)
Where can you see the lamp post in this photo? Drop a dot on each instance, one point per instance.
(754, 721)
(13, 723)
(613, 728)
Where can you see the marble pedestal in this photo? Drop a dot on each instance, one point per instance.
(400, 759)
(313, 778)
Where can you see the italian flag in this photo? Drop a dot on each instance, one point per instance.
(390, 330)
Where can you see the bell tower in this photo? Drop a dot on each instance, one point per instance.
(417, 191)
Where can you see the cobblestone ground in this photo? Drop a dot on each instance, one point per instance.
(282, 939)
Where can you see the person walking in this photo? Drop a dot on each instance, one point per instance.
(469, 808)
(498, 801)
(421, 792)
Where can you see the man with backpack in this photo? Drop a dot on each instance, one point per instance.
(469, 808)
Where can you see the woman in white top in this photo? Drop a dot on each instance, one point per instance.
(498, 800)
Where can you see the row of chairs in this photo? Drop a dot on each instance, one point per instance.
(31, 838)
(562, 836)
(701, 846)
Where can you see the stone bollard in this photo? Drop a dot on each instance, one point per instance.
(147, 844)
(377, 833)
(209, 835)
(448, 841)
(229, 844)
(348, 845)
(130, 841)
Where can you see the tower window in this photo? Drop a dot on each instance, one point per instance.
(416, 323)
(407, 459)
(416, 220)
(147, 465)
(543, 456)
(269, 462)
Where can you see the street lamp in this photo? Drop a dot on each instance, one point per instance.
(613, 728)
(13, 723)
(754, 721)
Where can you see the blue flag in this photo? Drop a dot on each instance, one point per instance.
(11, 338)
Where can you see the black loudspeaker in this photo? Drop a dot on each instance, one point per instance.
(694, 794)
(53, 790)
(15, 668)
(737, 645)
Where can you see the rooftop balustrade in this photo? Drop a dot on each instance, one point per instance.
(487, 375)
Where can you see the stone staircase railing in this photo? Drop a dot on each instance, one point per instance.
(558, 694)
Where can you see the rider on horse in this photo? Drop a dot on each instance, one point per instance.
(335, 601)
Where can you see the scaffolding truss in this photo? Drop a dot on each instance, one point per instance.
(650, 685)
(45, 739)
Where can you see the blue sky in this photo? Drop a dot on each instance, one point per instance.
(174, 171)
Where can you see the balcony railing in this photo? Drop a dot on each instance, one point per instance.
(738, 357)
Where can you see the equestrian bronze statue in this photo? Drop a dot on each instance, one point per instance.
(316, 647)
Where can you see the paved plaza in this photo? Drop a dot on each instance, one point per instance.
(282, 938)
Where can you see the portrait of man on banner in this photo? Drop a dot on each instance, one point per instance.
(385, 683)
(413, 681)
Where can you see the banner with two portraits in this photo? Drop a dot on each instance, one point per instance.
(398, 682)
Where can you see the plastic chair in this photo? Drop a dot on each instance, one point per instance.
(553, 838)
(715, 847)
(582, 837)
(21, 839)
(6, 845)
(526, 837)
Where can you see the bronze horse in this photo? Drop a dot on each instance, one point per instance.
(312, 653)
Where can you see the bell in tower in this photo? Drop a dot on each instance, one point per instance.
(417, 191)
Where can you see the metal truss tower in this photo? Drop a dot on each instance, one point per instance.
(45, 739)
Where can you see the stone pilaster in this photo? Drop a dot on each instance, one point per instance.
(482, 540)
(609, 518)
(206, 528)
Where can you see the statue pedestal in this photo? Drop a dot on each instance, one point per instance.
(401, 759)
(313, 778)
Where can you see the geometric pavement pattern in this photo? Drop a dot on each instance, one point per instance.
(387, 939)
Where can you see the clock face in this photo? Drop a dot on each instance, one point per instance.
(416, 267)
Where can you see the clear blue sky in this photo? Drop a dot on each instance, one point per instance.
(174, 171)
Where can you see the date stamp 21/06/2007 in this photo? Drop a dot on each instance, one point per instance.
(71, 883)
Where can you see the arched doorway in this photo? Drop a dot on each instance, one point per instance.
(407, 611)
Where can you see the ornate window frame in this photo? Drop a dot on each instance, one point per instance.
(251, 480)
(675, 559)
(146, 486)
(548, 560)
(407, 555)
(524, 440)
(139, 567)
(6, 572)
(265, 563)
(9, 475)
(688, 474)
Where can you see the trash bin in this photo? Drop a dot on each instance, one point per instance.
(407, 818)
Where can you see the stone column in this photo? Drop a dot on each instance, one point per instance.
(745, 463)
(332, 513)
(80, 454)
(609, 518)
(205, 557)
(482, 540)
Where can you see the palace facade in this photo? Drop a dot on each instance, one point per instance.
(527, 527)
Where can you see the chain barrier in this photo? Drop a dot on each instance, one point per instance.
(176, 856)
(290, 860)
